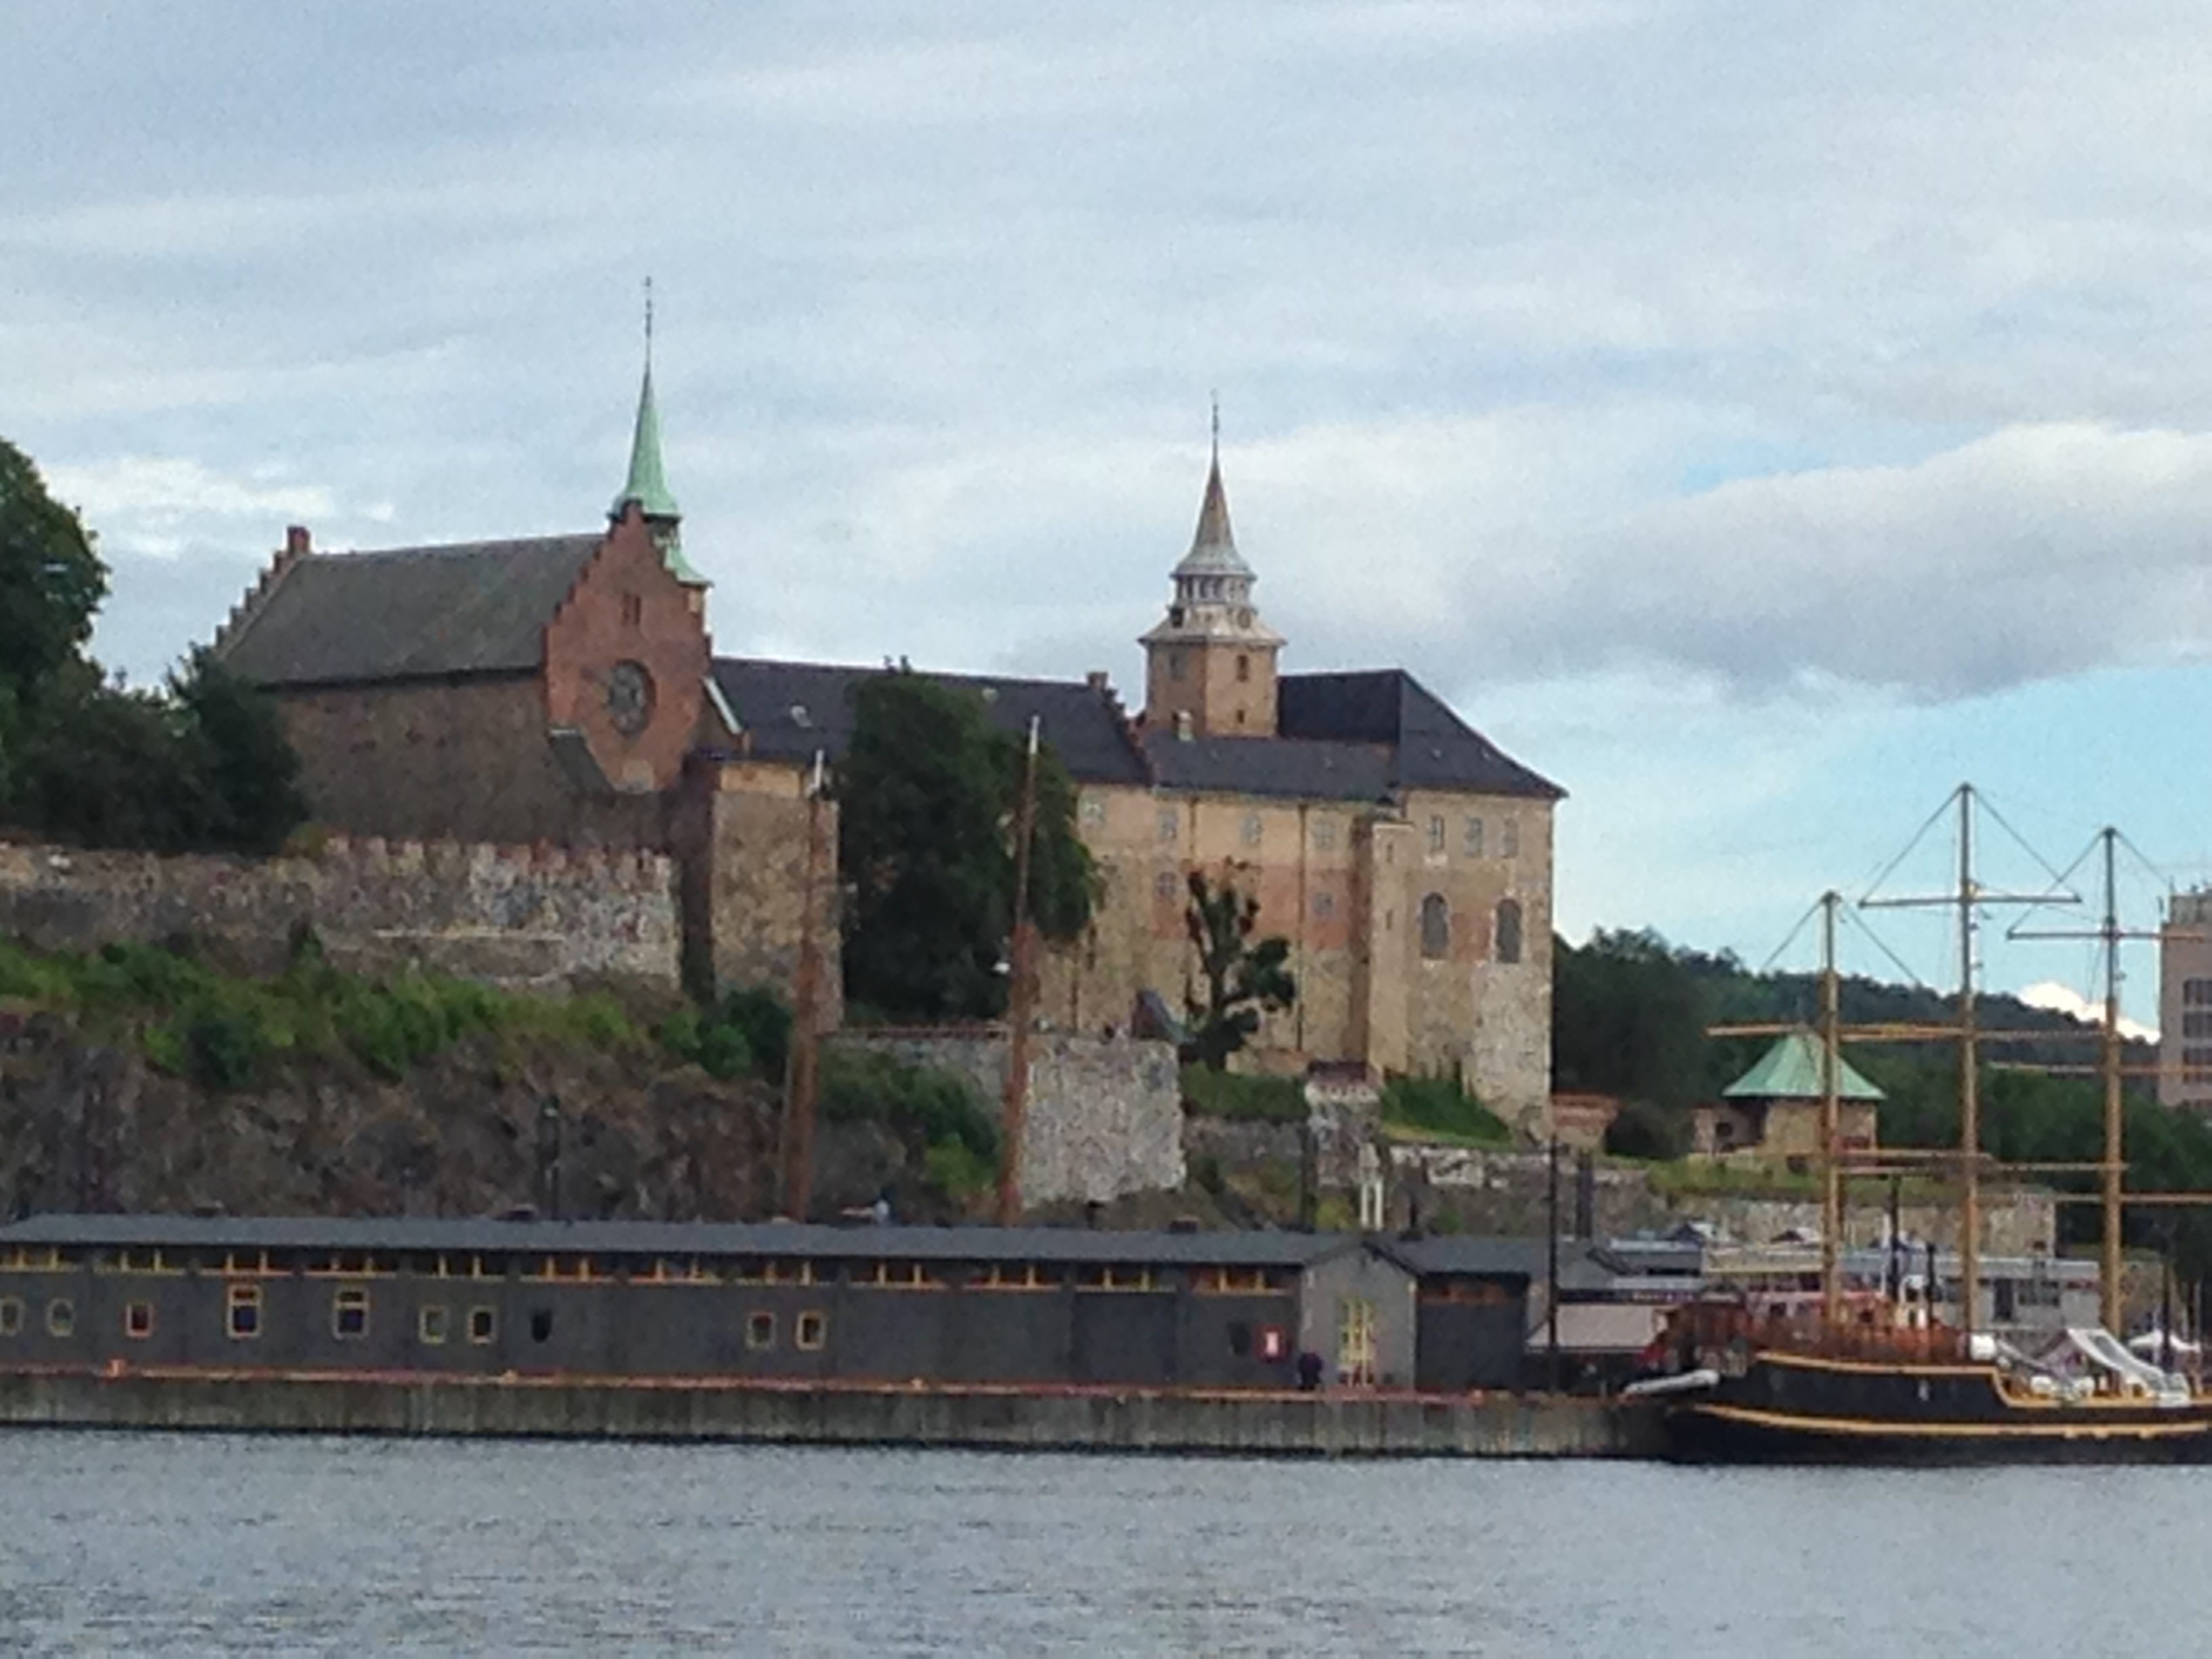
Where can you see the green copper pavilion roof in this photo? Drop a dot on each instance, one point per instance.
(1791, 1070)
(647, 486)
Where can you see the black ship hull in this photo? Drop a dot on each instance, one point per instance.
(1795, 1409)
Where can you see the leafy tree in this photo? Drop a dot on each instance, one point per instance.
(252, 773)
(928, 795)
(1239, 977)
(51, 582)
(1628, 1018)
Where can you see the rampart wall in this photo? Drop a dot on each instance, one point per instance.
(1104, 1115)
(523, 917)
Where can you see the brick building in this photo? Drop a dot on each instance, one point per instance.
(564, 689)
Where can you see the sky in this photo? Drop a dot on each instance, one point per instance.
(1759, 417)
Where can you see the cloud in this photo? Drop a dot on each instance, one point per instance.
(2065, 1000)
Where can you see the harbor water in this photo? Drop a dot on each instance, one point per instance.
(156, 1543)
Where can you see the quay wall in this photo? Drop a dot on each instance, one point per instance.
(1327, 1425)
(525, 917)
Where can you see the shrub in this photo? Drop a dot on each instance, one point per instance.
(1641, 1129)
(758, 1015)
(223, 1049)
(924, 1104)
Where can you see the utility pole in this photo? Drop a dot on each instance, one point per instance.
(1019, 995)
(802, 1076)
(1552, 1271)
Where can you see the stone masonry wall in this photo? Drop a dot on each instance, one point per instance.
(527, 918)
(1104, 1116)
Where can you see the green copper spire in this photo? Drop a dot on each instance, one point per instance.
(647, 484)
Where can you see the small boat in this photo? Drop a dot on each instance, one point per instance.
(1733, 1387)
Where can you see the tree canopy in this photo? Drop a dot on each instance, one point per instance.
(1239, 977)
(927, 797)
(200, 764)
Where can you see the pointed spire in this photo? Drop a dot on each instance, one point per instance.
(646, 484)
(1213, 547)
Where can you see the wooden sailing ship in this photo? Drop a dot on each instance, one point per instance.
(1882, 1379)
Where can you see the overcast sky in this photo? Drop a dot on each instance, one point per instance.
(1759, 417)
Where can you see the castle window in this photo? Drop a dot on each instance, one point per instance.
(1094, 811)
(1252, 829)
(1324, 905)
(1509, 838)
(1164, 885)
(1174, 664)
(1509, 930)
(1169, 826)
(1436, 834)
(1435, 928)
(1471, 840)
(632, 611)
(1324, 835)
(1243, 667)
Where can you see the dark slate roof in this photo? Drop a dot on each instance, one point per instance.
(1432, 747)
(788, 710)
(776, 1239)
(476, 608)
(1294, 768)
(1456, 1253)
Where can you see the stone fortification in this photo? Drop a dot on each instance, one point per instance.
(522, 917)
(1105, 1116)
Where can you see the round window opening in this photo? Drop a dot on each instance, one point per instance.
(630, 697)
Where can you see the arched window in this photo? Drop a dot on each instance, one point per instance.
(1436, 926)
(1509, 930)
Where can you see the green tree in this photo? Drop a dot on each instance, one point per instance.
(251, 773)
(927, 797)
(1239, 977)
(51, 582)
(1628, 1018)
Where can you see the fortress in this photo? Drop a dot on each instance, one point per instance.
(563, 689)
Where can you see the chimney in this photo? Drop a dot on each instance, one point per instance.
(1095, 679)
(297, 543)
(1184, 731)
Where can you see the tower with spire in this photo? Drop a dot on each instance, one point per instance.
(1210, 663)
(647, 485)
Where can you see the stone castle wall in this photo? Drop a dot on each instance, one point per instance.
(523, 917)
(1104, 1115)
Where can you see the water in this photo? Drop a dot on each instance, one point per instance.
(189, 1544)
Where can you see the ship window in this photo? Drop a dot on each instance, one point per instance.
(483, 1325)
(61, 1318)
(813, 1330)
(541, 1324)
(349, 1314)
(139, 1319)
(760, 1331)
(243, 1308)
(11, 1316)
(431, 1323)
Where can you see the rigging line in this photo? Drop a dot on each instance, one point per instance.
(1860, 921)
(2052, 901)
(1791, 937)
(1890, 869)
(2020, 841)
(2143, 859)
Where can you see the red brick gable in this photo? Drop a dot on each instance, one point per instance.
(628, 627)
